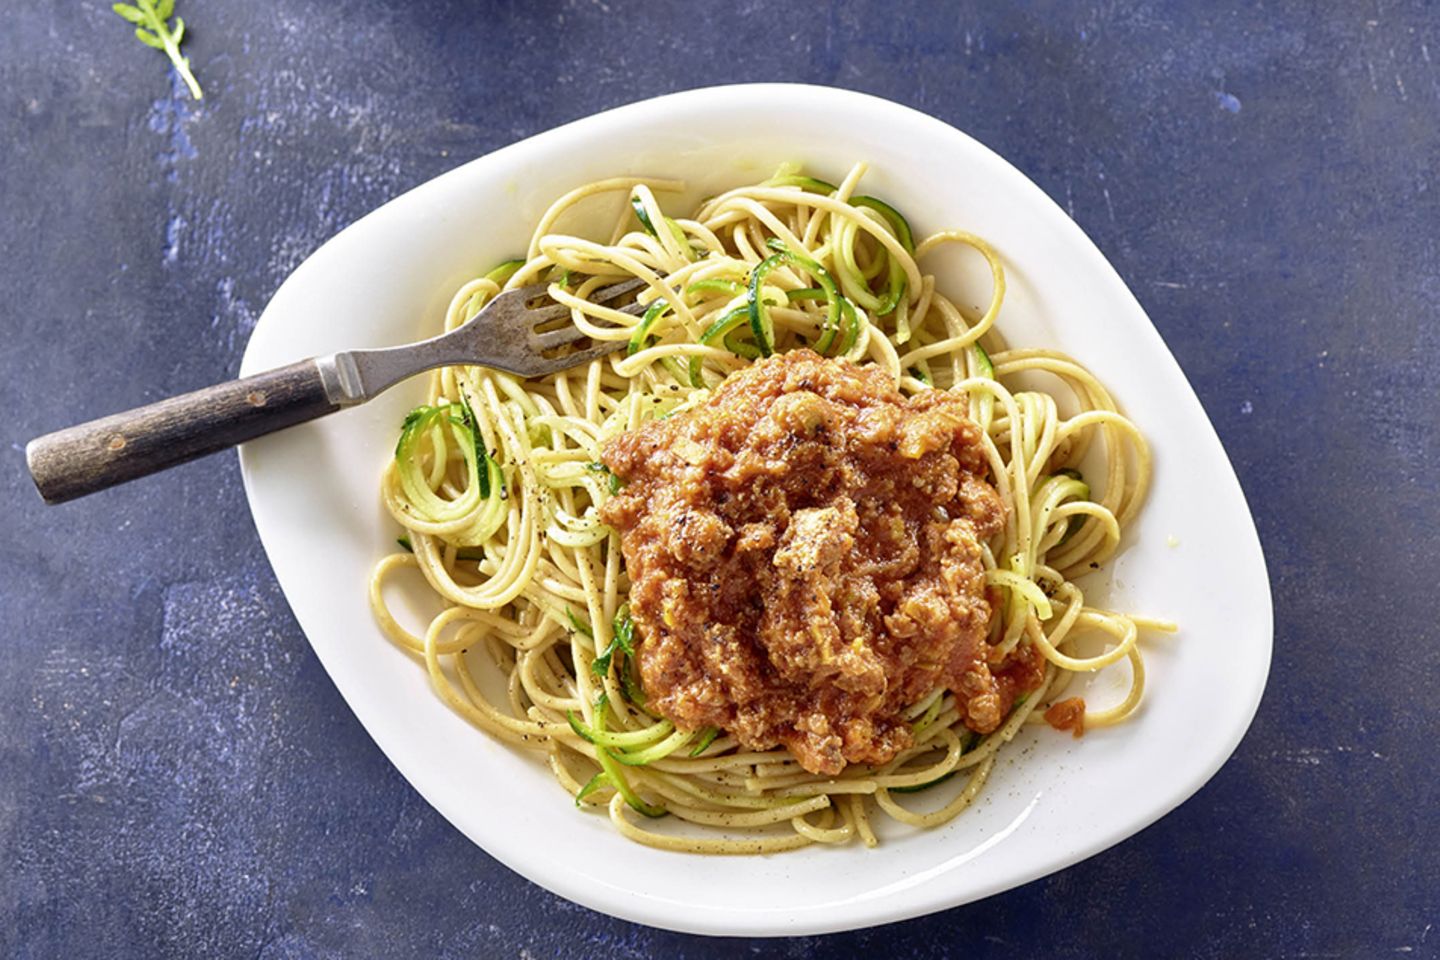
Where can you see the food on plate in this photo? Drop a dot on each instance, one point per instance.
(805, 561)
(807, 545)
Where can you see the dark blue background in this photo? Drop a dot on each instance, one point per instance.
(178, 777)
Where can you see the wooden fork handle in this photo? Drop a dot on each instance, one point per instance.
(80, 460)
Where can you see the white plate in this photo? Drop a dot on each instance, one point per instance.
(1052, 800)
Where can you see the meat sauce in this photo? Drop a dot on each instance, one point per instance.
(1068, 715)
(804, 553)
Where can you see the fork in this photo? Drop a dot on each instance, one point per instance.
(511, 333)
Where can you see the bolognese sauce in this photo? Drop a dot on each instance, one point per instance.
(805, 560)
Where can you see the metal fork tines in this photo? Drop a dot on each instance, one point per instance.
(512, 333)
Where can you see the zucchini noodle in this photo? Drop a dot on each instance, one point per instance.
(497, 483)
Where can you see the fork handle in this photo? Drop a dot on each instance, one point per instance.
(82, 459)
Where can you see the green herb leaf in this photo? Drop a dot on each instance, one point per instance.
(615, 483)
(149, 17)
(622, 639)
(624, 629)
(601, 664)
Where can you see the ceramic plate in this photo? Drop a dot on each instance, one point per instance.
(1193, 556)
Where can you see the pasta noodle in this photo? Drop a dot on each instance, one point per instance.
(497, 482)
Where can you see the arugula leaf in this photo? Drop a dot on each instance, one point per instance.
(149, 17)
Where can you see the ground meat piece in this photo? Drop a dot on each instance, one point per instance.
(804, 552)
(1068, 715)
(697, 538)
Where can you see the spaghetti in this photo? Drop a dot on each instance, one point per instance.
(498, 485)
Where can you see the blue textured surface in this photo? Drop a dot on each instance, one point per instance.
(178, 777)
